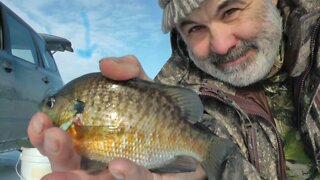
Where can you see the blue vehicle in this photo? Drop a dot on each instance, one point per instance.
(28, 73)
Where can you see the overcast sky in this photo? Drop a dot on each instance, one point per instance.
(97, 29)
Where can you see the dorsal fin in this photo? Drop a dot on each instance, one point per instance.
(189, 102)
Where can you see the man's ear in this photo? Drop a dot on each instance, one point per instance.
(275, 2)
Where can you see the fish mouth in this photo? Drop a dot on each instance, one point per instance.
(41, 106)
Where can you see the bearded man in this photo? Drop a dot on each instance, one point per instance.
(255, 65)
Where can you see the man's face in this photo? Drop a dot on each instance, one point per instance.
(236, 41)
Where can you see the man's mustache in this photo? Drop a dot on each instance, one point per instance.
(234, 53)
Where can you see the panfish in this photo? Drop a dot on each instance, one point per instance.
(149, 123)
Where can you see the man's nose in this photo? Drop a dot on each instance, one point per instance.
(222, 39)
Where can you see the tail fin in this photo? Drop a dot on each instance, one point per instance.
(217, 153)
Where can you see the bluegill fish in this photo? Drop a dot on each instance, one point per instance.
(146, 122)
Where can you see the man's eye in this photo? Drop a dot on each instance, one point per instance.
(195, 29)
(229, 12)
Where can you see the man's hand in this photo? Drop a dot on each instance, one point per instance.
(56, 144)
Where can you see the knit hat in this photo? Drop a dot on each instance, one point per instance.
(175, 10)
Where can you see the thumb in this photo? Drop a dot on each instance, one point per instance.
(122, 68)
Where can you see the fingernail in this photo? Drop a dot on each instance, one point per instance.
(38, 126)
(117, 175)
(51, 143)
(109, 58)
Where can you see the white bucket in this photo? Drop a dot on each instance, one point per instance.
(33, 164)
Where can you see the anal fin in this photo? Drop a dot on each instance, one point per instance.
(178, 164)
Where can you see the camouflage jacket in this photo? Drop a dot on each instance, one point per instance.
(247, 121)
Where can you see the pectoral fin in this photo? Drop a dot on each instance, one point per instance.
(178, 164)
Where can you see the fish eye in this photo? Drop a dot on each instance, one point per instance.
(50, 102)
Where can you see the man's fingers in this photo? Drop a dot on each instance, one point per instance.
(53, 143)
(122, 68)
(78, 175)
(37, 125)
(59, 149)
(125, 169)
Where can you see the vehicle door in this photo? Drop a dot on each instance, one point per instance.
(8, 93)
(30, 85)
(48, 68)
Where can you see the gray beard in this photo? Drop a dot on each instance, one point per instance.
(266, 46)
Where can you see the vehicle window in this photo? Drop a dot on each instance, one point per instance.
(1, 31)
(46, 57)
(48, 61)
(21, 41)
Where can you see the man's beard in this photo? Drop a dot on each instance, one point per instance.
(266, 47)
